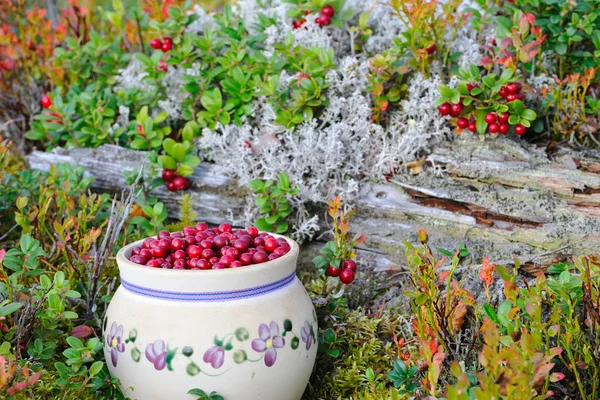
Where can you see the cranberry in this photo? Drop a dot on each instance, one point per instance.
(220, 241)
(167, 39)
(456, 109)
(493, 127)
(431, 49)
(349, 264)
(503, 118)
(510, 97)
(148, 243)
(236, 264)
(136, 259)
(227, 260)
(444, 109)
(160, 261)
(169, 259)
(153, 264)
(206, 244)
(296, 24)
(273, 256)
(204, 264)
(207, 254)
(347, 276)
(163, 234)
(240, 244)
(462, 123)
(156, 44)
(46, 101)
(225, 228)
(213, 260)
(180, 264)
(189, 231)
(259, 241)
(520, 129)
(166, 243)
(193, 263)
(271, 244)
(166, 265)
(323, 20)
(490, 118)
(472, 127)
(503, 129)
(190, 240)
(136, 250)
(280, 251)
(171, 187)
(519, 96)
(246, 258)
(513, 88)
(333, 271)
(180, 183)
(166, 46)
(194, 251)
(328, 11)
(259, 257)
(252, 231)
(145, 253)
(201, 226)
(503, 92)
(180, 254)
(219, 265)
(158, 251)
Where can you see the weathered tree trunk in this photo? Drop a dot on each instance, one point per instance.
(500, 197)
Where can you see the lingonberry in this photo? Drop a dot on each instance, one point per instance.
(167, 39)
(471, 86)
(194, 251)
(431, 49)
(297, 24)
(519, 96)
(156, 44)
(136, 250)
(145, 253)
(349, 264)
(490, 118)
(456, 109)
(232, 252)
(271, 244)
(328, 11)
(136, 259)
(189, 231)
(163, 234)
(46, 101)
(503, 129)
(493, 127)
(472, 127)
(347, 276)
(179, 254)
(236, 264)
(225, 228)
(281, 251)
(444, 109)
(511, 97)
(513, 88)
(166, 46)
(503, 118)
(322, 20)
(259, 257)
(166, 265)
(190, 240)
(246, 258)
(201, 226)
(240, 244)
(180, 264)
(333, 271)
(503, 92)
(206, 244)
(162, 64)
(193, 263)
(171, 187)
(520, 129)
(207, 254)
(462, 123)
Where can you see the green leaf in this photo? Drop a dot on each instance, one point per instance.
(262, 225)
(167, 162)
(258, 185)
(74, 342)
(284, 179)
(9, 309)
(178, 152)
(96, 368)
(528, 114)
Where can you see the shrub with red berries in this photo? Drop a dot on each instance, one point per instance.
(200, 248)
(486, 104)
(336, 258)
(325, 13)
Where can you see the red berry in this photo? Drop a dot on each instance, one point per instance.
(158, 251)
(322, 20)
(259, 257)
(148, 243)
(162, 64)
(194, 251)
(513, 88)
(246, 258)
(166, 46)
(349, 264)
(180, 183)
(227, 260)
(236, 264)
(471, 86)
(225, 228)
(271, 244)
(328, 11)
(431, 49)
(219, 265)
(166, 243)
(156, 44)
(519, 96)
(504, 129)
(168, 39)
(207, 254)
(240, 244)
(204, 264)
(503, 118)
(280, 251)
(456, 109)
(333, 271)
(213, 260)
(145, 253)
(347, 276)
(136, 250)
(180, 254)
(297, 24)
(180, 264)
(46, 101)
(168, 174)
(153, 264)
(220, 241)
(490, 118)
(164, 234)
(472, 127)
(510, 97)
(520, 129)
(462, 123)
(444, 109)
(493, 127)
(503, 92)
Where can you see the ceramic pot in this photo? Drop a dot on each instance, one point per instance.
(245, 333)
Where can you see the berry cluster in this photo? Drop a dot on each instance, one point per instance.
(345, 272)
(323, 19)
(201, 247)
(174, 181)
(166, 44)
(496, 122)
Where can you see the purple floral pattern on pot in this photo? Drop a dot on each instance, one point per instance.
(268, 342)
(156, 353)
(306, 333)
(215, 356)
(115, 342)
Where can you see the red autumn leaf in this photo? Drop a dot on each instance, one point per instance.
(531, 49)
(556, 376)
(81, 331)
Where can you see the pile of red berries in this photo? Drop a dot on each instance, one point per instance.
(201, 247)
(345, 272)
(323, 19)
(175, 182)
(496, 122)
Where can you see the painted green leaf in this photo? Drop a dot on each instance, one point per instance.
(135, 354)
(192, 370)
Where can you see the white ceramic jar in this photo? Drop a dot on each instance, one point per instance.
(245, 333)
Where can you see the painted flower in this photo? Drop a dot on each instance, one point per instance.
(156, 353)
(115, 342)
(215, 356)
(268, 342)
(307, 334)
